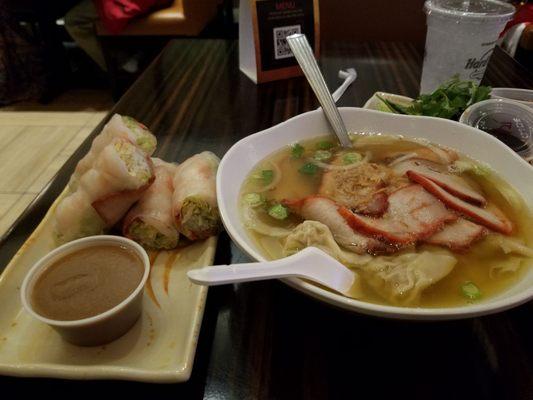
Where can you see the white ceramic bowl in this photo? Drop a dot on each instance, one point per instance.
(245, 154)
(101, 328)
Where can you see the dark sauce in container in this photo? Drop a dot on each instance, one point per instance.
(510, 129)
(507, 120)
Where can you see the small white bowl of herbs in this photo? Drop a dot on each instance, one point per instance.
(448, 101)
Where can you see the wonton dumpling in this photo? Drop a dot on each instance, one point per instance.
(316, 234)
(495, 246)
(399, 279)
(402, 279)
(510, 246)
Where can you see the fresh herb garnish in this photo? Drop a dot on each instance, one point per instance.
(297, 150)
(267, 175)
(278, 211)
(322, 155)
(448, 101)
(308, 169)
(324, 145)
(470, 291)
(350, 158)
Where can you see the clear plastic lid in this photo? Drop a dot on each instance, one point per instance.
(523, 96)
(470, 9)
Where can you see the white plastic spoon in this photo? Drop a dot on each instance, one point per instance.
(310, 263)
(349, 76)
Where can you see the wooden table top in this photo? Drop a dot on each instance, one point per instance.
(265, 340)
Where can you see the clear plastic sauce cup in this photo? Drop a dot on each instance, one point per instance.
(507, 120)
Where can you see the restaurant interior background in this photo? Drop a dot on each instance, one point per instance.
(174, 65)
(58, 94)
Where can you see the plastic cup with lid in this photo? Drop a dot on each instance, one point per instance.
(461, 36)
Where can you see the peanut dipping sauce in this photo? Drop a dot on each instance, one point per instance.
(87, 282)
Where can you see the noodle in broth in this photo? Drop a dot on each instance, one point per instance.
(299, 172)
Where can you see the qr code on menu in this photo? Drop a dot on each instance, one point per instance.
(281, 47)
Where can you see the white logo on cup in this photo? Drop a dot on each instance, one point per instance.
(478, 65)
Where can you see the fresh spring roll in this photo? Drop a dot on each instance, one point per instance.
(75, 218)
(120, 175)
(194, 199)
(151, 222)
(119, 126)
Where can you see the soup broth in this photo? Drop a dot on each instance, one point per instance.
(274, 190)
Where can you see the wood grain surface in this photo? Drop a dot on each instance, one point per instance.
(264, 340)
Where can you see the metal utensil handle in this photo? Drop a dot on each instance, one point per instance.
(305, 57)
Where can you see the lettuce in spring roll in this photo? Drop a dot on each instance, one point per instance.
(120, 175)
(151, 222)
(194, 200)
(119, 126)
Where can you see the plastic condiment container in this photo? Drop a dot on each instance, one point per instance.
(101, 328)
(522, 96)
(507, 120)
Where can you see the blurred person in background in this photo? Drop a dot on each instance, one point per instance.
(80, 23)
(81, 19)
(517, 37)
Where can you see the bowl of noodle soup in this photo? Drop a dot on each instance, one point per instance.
(432, 215)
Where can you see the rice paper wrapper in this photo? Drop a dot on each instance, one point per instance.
(151, 221)
(105, 192)
(119, 126)
(194, 199)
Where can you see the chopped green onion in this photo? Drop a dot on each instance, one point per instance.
(297, 150)
(461, 166)
(350, 158)
(471, 291)
(267, 175)
(308, 169)
(254, 199)
(278, 211)
(322, 155)
(324, 145)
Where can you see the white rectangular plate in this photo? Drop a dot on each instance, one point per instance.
(159, 348)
